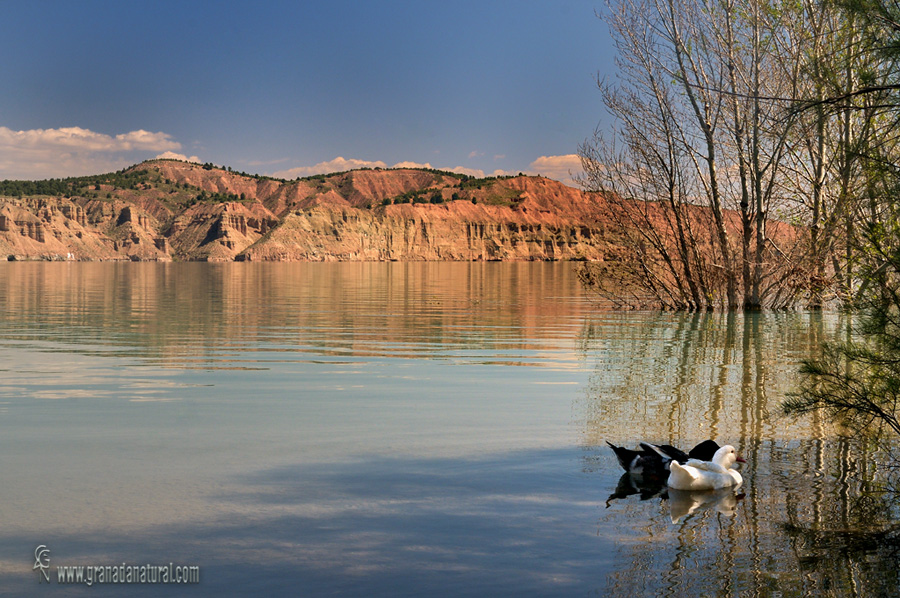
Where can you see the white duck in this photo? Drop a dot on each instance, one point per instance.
(705, 475)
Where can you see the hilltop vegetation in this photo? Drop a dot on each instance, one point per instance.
(76, 186)
(144, 177)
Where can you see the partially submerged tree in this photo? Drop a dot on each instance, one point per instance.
(651, 176)
(648, 181)
(731, 175)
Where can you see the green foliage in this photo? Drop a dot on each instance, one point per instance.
(416, 196)
(222, 197)
(53, 187)
(77, 186)
(470, 182)
(145, 178)
(857, 381)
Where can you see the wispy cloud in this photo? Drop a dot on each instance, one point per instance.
(339, 164)
(70, 151)
(475, 172)
(561, 168)
(77, 138)
(408, 164)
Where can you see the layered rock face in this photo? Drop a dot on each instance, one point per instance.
(186, 211)
(447, 232)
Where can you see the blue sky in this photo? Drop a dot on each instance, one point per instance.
(297, 88)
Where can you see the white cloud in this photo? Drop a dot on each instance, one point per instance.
(71, 151)
(76, 138)
(145, 140)
(561, 168)
(408, 164)
(174, 156)
(475, 172)
(339, 164)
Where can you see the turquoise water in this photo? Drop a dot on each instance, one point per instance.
(408, 429)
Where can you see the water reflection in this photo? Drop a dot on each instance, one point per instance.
(248, 315)
(683, 503)
(679, 379)
(647, 487)
(414, 429)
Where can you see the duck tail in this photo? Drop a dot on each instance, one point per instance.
(624, 455)
(680, 477)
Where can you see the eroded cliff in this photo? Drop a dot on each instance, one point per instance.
(164, 210)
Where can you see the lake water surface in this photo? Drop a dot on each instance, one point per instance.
(410, 430)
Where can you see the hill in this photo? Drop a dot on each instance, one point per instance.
(169, 210)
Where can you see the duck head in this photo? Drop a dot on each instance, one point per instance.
(727, 457)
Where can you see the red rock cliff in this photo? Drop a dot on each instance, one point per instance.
(176, 210)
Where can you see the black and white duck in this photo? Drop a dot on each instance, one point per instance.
(653, 459)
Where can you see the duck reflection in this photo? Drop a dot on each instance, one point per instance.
(646, 485)
(684, 503)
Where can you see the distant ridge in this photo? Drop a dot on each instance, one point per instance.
(171, 210)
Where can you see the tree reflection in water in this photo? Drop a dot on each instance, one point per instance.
(815, 518)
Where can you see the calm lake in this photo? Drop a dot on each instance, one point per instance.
(426, 429)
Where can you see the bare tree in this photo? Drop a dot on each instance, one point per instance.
(650, 178)
(706, 107)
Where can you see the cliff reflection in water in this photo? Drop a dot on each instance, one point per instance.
(222, 315)
(812, 520)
